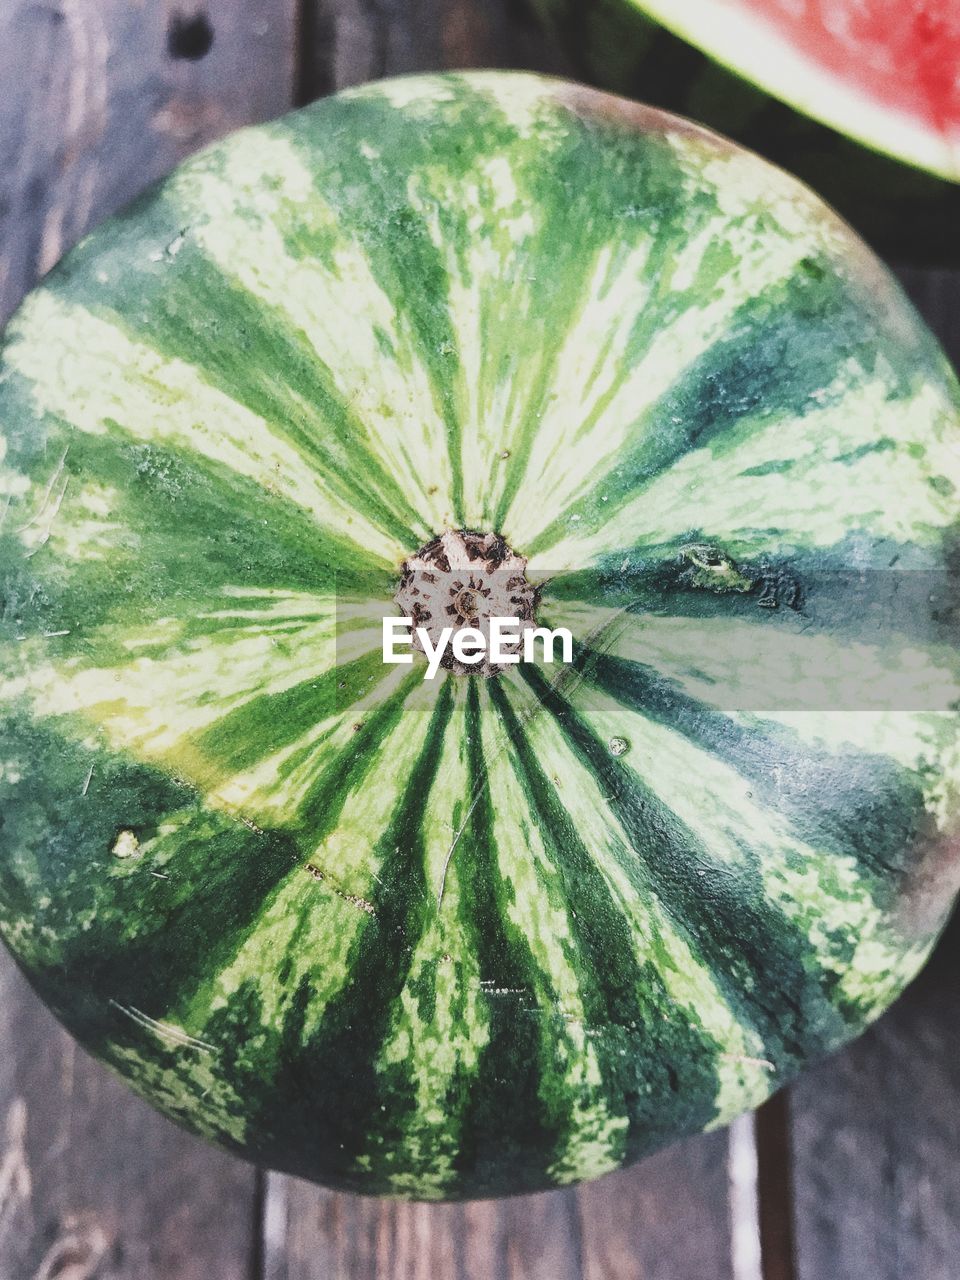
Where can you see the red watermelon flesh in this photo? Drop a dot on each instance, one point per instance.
(905, 55)
(886, 72)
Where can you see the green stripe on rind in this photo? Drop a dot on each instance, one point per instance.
(635, 1031)
(737, 931)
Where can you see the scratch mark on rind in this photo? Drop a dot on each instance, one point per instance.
(55, 511)
(748, 1061)
(163, 1029)
(58, 472)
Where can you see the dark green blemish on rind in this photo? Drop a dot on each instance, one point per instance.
(884, 445)
(908, 588)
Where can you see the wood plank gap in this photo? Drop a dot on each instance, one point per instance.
(273, 1226)
(315, 29)
(743, 1177)
(576, 1234)
(775, 1189)
(258, 1234)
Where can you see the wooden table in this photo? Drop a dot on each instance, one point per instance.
(859, 1167)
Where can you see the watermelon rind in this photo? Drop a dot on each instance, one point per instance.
(480, 934)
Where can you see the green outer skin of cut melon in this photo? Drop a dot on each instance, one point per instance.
(440, 939)
(905, 213)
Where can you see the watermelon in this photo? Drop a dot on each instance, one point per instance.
(789, 78)
(520, 924)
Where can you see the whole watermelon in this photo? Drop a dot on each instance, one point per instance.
(791, 78)
(514, 926)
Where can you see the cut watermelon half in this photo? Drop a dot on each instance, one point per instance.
(885, 72)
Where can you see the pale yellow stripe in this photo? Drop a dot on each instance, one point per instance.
(174, 686)
(238, 204)
(813, 504)
(88, 372)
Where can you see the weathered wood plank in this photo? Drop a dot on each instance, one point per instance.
(350, 41)
(100, 97)
(876, 1133)
(319, 1235)
(876, 1130)
(876, 1136)
(775, 1202)
(666, 1219)
(93, 1183)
